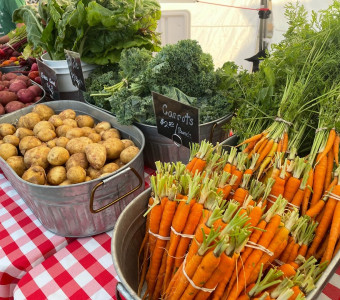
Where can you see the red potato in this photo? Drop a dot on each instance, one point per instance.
(36, 90)
(17, 85)
(25, 95)
(9, 76)
(33, 74)
(5, 83)
(34, 67)
(24, 78)
(2, 110)
(2, 88)
(13, 106)
(37, 80)
(6, 97)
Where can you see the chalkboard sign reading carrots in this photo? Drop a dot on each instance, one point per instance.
(175, 120)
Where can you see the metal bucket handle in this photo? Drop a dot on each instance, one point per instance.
(218, 123)
(118, 199)
(120, 289)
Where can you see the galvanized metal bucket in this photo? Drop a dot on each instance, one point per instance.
(128, 235)
(158, 147)
(86, 208)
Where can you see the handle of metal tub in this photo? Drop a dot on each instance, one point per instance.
(223, 120)
(120, 289)
(118, 199)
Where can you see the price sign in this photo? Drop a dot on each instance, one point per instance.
(76, 72)
(175, 120)
(49, 80)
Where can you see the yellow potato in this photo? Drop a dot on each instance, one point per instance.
(22, 132)
(8, 150)
(77, 145)
(127, 143)
(96, 155)
(93, 173)
(17, 164)
(67, 114)
(46, 134)
(119, 162)
(37, 156)
(113, 147)
(70, 122)
(11, 139)
(102, 126)
(62, 130)
(77, 159)
(76, 174)
(66, 182)
(74, 133)
(111, 133)
(56, 121)
(35, 174)
(29, 120)
(6, 129)
(128, 154)
(56, 175)
(109, 168)
(88, 178)
(44, 111)
(28, 142)
(87, 131)
(62, 141)
(51, 143)
(95, 137)
(42, 125)
(85, 121)
(58, 156)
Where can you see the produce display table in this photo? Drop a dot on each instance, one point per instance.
(36, 264)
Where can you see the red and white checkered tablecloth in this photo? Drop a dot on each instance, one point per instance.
(82, 269)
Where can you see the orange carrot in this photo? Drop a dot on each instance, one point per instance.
(231, 157)
(335, 229)
(285, 142)
(160, 278)
(329, 145)
(266, 150)
(155, 220)
(337, 248)
(319, 179)
(285, 255)
(296, 291)
(324, 223)
(330, 164)
(288, 270)
(308, 191)
(336, 149)
(293, 183)
(322, 248)
(249, 147)
(241, 193)
(238, 172)
(203, 273)
(191, 164)
(254, 138)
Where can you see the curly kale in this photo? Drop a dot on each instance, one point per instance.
(184, 66)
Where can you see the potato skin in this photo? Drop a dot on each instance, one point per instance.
(17, 164)
(111, 133)
(77, 145)
(44, 111)
(35, 174)
(58, 156)
(37, 156)
(87, 131)
(42, 125)
(7, 150)
(77, 159)
(128, 154)
(128, 143)
(65, 182)
(6, 129)
(51, 143)
(11, 139)
(62, 130)
(74, 133)
(70, 122)
(46, 134)
(102, 126)
(28, 142)
(56, 175)
(109, 168)
(29, 120)
(67, 114)
(56, 121)
(96, 155)
(119, 162)
(113, 148)
(22, 132)
(95, 137)
(62, 141)
(85, 121)
(93, 173)
(76, 174)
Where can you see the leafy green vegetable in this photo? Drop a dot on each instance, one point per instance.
(98, 30)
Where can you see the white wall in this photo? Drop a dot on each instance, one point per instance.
(232, 33)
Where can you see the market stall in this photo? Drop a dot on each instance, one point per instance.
(180, 172)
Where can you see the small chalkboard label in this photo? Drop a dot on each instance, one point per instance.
(49, 80)
(76, 71)
(175, 120)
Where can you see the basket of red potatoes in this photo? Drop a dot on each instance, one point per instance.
(18, 91)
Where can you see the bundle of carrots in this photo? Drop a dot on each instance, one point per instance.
(216, 226)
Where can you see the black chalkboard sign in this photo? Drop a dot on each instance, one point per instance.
(49, 80)
(175, 120)
(76, 71)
